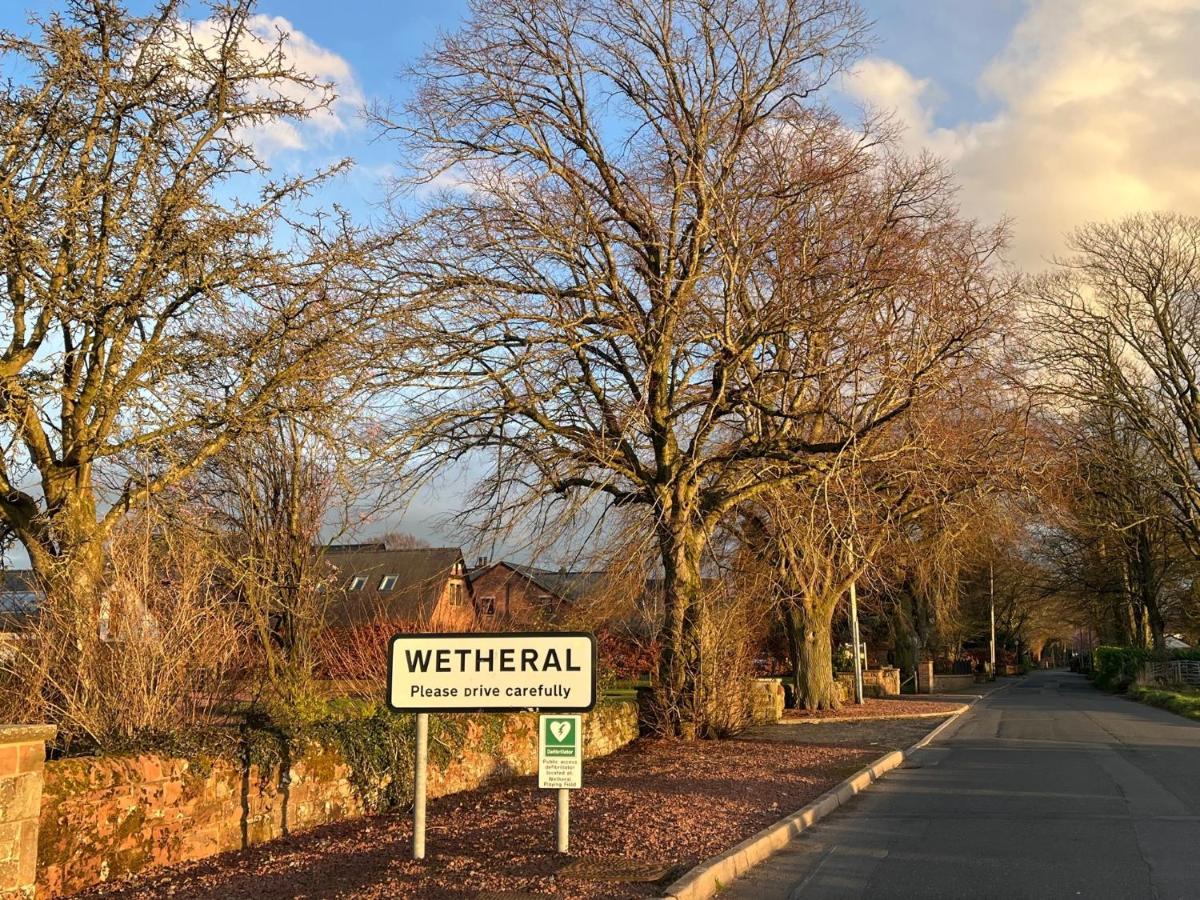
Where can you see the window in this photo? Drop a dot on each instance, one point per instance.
(487, 606)
(358, 582)
(456, 593)
(387, 582)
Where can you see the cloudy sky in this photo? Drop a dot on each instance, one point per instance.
(1051, 112)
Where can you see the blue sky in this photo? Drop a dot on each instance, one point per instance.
(947, 41)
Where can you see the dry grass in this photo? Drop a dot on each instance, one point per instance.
(153, 653)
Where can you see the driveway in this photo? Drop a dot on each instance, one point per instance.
(1048, 788)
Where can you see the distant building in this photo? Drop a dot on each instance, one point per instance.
(512, 594)
(420, 588)
(19, 598)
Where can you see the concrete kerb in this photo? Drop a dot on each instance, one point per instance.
(717, 872)
(831, 720)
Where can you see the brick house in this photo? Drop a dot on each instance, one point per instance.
(425, 588)
(512, 595)
(20, 598)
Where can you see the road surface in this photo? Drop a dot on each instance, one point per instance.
(1047, 788)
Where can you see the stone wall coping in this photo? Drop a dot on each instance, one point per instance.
(24, 734)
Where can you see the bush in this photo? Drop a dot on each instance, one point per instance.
(155, 653)
(1116, 668)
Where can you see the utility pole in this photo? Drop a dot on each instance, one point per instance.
(858, 675)
(992, 606)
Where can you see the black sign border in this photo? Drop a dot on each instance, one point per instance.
(470, 710)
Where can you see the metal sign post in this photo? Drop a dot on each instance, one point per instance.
(563, 831)
(560, 767)
(858, 675)
(419, 784)
(502, 672)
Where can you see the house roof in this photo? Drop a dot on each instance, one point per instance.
(567, 586)
(19, 596)
(420, 575)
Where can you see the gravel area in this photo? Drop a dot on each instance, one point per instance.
(880, 735)
(875, 708)
(655, 801)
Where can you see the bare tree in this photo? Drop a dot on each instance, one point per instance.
(402, 540)
(171, 656)
(1114, 546)
(1121, 322)
(163, 292)
(896, 516)
(611, 311)
(269, 497)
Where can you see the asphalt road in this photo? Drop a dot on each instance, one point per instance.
(1047, 788)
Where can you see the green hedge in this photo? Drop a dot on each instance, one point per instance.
(1116, 668)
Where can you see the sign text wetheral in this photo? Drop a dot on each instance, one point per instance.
(547, 671)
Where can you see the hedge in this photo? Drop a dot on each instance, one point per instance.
(1116, 668)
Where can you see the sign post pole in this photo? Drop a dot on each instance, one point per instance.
(419, 782)
(564, 820)
(548, 671)
(560, 767)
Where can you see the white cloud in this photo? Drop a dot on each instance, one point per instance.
(1099, 116)
(309, 58)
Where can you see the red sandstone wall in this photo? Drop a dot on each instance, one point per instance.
(104, 818)
(22, 754)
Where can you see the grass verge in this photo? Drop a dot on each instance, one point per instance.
(1181, 701)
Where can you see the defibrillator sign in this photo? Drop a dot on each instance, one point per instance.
(560, 752)
(506, 671)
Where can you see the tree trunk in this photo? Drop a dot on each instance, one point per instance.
(1148, 587)
(809, 629)
(66, 552)
(677, 690)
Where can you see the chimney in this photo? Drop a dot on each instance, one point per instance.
(481, 562)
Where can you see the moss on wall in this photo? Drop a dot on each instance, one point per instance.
(104, 817)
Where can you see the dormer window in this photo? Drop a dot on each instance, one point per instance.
(387, 582)
(358, 582)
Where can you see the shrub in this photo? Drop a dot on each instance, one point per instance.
(624, 657)
(1116, 668)
(154, 654)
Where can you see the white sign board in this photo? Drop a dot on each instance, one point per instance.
(560, 752)
(470, 672)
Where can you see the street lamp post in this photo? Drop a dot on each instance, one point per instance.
(858, 676)
(992, 608)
